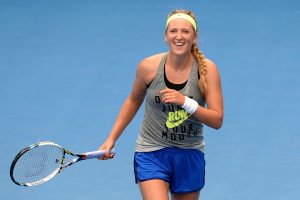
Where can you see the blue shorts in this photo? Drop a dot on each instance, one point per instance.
(183, 169)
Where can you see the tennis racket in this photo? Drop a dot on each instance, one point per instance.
(40, 162)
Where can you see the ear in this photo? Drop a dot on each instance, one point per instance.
(195, 40)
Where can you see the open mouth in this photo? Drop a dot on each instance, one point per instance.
(179, 44)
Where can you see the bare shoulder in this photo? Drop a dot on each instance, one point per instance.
(151, 62)
(211, 66)
(212, 70)
(148, 66)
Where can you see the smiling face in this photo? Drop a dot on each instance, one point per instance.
(180, 36)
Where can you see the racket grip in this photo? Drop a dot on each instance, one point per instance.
(96, 154)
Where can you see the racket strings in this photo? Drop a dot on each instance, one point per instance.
(37, 163)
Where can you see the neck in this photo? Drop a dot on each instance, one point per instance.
(180, 62)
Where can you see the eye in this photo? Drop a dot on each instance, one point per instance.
(185, 31)
(173, 30)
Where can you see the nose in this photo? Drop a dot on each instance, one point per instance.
(179, 35)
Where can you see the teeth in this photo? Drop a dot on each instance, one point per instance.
(179, 43)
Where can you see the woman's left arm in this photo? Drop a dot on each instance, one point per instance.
(212, 116)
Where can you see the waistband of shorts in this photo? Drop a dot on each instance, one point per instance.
(176, 150)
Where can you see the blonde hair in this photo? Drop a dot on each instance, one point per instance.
(198, 55)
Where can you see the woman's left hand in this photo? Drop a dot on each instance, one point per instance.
(172, 96)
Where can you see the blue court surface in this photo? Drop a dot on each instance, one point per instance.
(66, 66)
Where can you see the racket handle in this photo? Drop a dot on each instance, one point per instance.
(96, 154)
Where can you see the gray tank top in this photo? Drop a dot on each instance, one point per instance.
(168, 125)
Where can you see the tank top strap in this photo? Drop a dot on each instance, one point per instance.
(160, 71)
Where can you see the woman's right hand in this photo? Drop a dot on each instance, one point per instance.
(107, 146)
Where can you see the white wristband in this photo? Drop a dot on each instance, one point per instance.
(190, 105)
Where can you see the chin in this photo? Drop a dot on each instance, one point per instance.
(180, 52)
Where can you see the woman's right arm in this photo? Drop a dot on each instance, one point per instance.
(144, 75)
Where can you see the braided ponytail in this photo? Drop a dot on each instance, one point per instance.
(200, 58)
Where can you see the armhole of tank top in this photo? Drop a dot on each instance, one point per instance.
(148, 85)
(158, 69)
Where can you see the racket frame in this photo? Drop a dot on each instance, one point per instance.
(61, 167)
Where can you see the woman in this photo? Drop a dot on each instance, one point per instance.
(183, 92)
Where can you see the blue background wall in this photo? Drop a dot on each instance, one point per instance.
(67, 66)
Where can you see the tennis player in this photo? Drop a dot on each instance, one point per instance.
(183, 92)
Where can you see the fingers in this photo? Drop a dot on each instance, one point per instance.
(167, 95)
(107, 154)
(171, 96)
(166, 90)
(168, 98)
